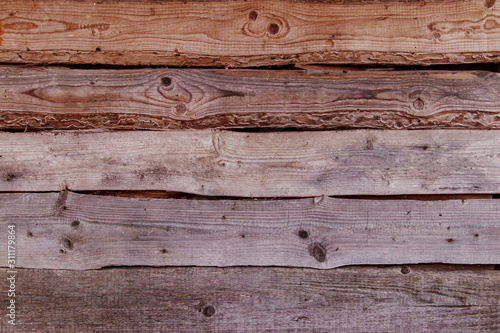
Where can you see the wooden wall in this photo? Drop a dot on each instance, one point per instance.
(250, 166)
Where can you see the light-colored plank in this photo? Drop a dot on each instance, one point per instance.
(225, 163)
(75, 231)
(257, 300)
(249, 33)
(55, 98)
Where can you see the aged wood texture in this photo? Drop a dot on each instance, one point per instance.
(190, 300)
(249, 33)
(55, 98)
(226, 163)
(75, 231)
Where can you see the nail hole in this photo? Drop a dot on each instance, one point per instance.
(476, 235)
(98, 49)
(166, 81)
(163, 251)
(273, 28)
(253, 15)
(303, 234)
(405, 270)
(30, 234)
(450, 240)
(208, 311)
(75, 224)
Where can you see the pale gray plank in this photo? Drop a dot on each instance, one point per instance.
(224, 163)
(88, 232)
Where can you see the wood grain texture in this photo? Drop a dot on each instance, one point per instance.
(75, 231)
(55, 98)
(249, 33)
(257, 300)
(225, 163)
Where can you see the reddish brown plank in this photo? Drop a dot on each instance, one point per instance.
(55, 98)
(249, 33)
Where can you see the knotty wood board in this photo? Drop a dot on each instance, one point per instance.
(55, 98)
(226, 163)
(255, 300)
(249, 33)
(75, 231)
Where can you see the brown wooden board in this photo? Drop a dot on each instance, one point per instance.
(226, 163)
(55, 98)
(257, 300)
(75, 231)
(249, 33)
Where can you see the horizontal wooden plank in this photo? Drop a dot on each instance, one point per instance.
(225, 163)
(249, 33)
(256, 300)
(75, 231)
(55, 98)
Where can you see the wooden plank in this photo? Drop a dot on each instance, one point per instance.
(75, 231)
(225, 163)
(249, 33)
(257, 300)
(55, 98)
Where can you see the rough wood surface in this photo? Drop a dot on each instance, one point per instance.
(225, 163)
(249, 33)
(74, 231)
(55, 98)
(257, 300)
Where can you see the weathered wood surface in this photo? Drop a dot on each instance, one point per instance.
(55, 98)
(225, 163)
(249, 33)
(75, 231)
(255, 300)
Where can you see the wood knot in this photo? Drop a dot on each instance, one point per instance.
(273, 28)
(253, 15)
(180, 109)
(67, 242)
(418, 104)
(208, 311)
(166, 81)
(265, 25)
(318, 252)
(303, 234)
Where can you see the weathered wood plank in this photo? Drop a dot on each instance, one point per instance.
(257, 300)
(249, 33)
(75, 231)
(55, 98)
(225, 163)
